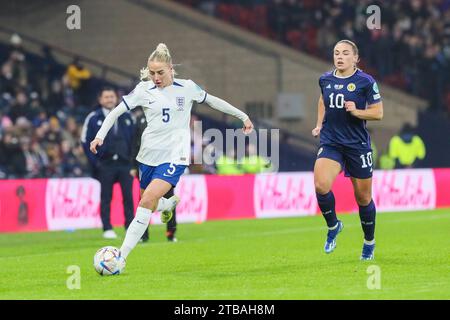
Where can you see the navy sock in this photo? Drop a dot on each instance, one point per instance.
(327, 206)
(367, 215)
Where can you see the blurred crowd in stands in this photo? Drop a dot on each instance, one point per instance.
(42, 106)
(410, 51)
(43, 102)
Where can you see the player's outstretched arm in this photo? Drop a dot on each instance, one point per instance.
(225, 107)
(373, 111)
(320, 114)
(107, 124)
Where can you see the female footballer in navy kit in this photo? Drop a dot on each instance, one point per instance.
(349, 98)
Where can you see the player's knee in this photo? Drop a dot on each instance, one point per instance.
(363, 199)
(148, 201)
(322, 187)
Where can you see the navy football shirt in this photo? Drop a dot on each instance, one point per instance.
(339, 126)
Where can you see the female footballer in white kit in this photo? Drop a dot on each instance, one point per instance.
(165, 142)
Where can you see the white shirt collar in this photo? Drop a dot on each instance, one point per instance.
(334, 74)
(105, 111)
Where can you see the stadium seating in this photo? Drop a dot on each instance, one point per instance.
(47, 113)
(231, 63)
(291, 25)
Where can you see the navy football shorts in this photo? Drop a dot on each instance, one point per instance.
(356, 162)
(166, 171)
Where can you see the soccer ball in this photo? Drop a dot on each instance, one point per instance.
(108, 261)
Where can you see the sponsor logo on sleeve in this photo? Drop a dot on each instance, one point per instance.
(375, 88)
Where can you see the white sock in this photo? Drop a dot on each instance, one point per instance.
(135, 230)
(369, 242)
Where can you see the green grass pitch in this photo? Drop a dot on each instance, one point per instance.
(241, 259)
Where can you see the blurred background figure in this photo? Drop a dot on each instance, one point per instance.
(12, 158)
(227, 164)
(113, 161)
(254, 163)
(22, 216)
(407, 148)
(78, 77)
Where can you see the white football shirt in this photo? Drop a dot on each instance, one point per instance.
(168, 112)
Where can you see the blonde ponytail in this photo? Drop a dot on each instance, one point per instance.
(161, 54)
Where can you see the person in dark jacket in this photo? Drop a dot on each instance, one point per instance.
(113, 161)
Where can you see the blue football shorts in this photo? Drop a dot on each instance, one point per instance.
(166, 171)
(356, 162)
